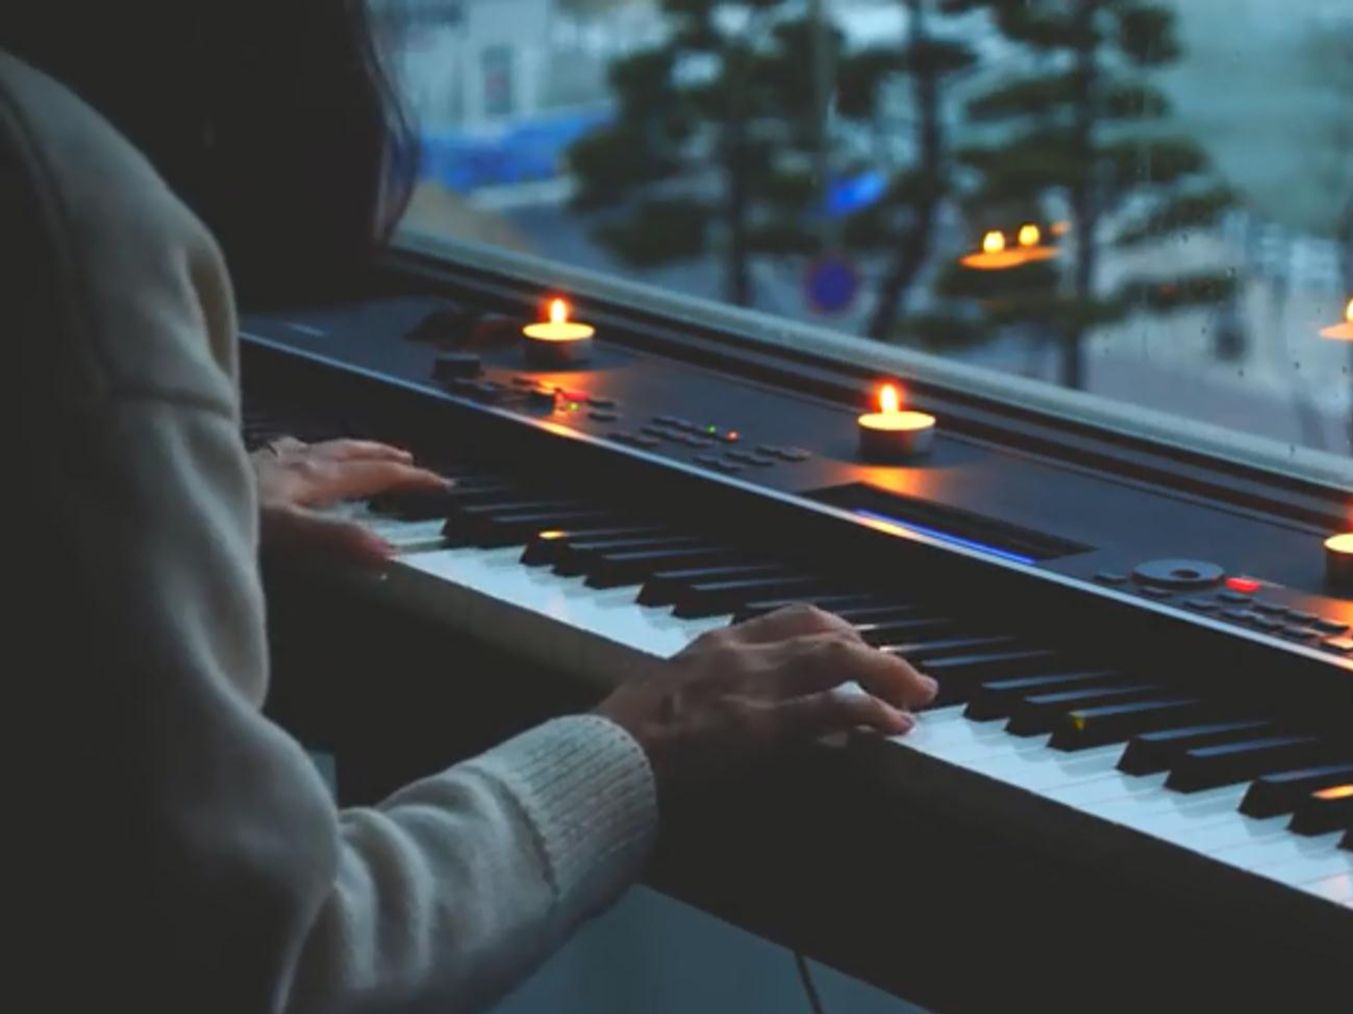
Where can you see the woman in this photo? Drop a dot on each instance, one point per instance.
(187, 855)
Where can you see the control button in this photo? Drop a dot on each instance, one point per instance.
(603, 417)
(1244, 585)
(522, 381)
(657, 431)
(1338, 645)
(694, 441)
(1268, 607)
(762, 460)
(1239, 615)
(768, 449)
(598, 402)
(1330, 626)
(1179, 574)
(1201, 605)
(1300, 616)
(676, 422)
(707, 459)
(665, 420)
(1264, 622)
(1152, 592)
(724, 465)
(541, 397)
(1231, 596)
(645, 441)
(793, 454)
(1110, 577)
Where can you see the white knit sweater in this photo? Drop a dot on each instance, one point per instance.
(192, 857)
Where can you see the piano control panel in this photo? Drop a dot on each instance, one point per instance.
(1168, 549)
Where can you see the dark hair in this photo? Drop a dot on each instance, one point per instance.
(273, 119)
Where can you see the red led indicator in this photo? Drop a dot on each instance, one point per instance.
(732, 436)
(1244, 585)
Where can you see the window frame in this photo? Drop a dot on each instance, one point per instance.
(1134, 442)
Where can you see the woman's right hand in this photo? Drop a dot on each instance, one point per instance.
(739, 693)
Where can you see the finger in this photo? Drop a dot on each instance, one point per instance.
(360, 450)
(286, 445)
(813, 664)
(791, 621)
(830, 712)
(348, 480)
(294, 530)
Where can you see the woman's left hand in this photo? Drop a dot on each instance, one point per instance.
(295, 479)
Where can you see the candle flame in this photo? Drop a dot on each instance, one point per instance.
(1029, 235)
(558, 311)
(993, 242)
(1348, 312)
(889, 399)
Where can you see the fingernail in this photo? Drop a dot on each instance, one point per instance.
(931, 687)
(903, 724)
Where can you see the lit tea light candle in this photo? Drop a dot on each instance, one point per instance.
(1339, 563)
(995, 255)
(1344, 331)
(891, 434)
(1031, 245)
(558, 342)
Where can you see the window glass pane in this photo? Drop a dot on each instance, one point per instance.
(1147, 200)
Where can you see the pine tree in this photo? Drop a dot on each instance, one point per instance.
(710, 148)
(902, 226)
(1089, 128)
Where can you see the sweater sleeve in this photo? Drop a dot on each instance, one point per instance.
(189, 847)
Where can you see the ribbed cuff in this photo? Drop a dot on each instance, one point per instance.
(587, 789)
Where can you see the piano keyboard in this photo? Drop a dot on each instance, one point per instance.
(593, 590)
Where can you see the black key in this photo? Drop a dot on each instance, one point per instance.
(949, 647)
(465, 519)
(1207, 767)
(1282, 792)
(960, 675)
(518, 529)
(671, 586)
(1040, 713)
(1324, 810)
(579, 555)
(998, 698)
(1113, 723)
(424, 505)
(612, 570)
(841, 604)
(1346, 842)
(544, 549)
(1157, 751)
(716, 598)
(883, 632)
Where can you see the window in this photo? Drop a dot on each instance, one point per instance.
(1148, 202)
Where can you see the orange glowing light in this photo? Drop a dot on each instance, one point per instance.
(891, 418)
(550, 534)
(1344, 331)
(559, 328)
(1335, 792)
(997, 255)
(1061, 228)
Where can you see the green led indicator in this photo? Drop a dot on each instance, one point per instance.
(711, 429)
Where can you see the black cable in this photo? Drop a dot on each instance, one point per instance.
(809, 987)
